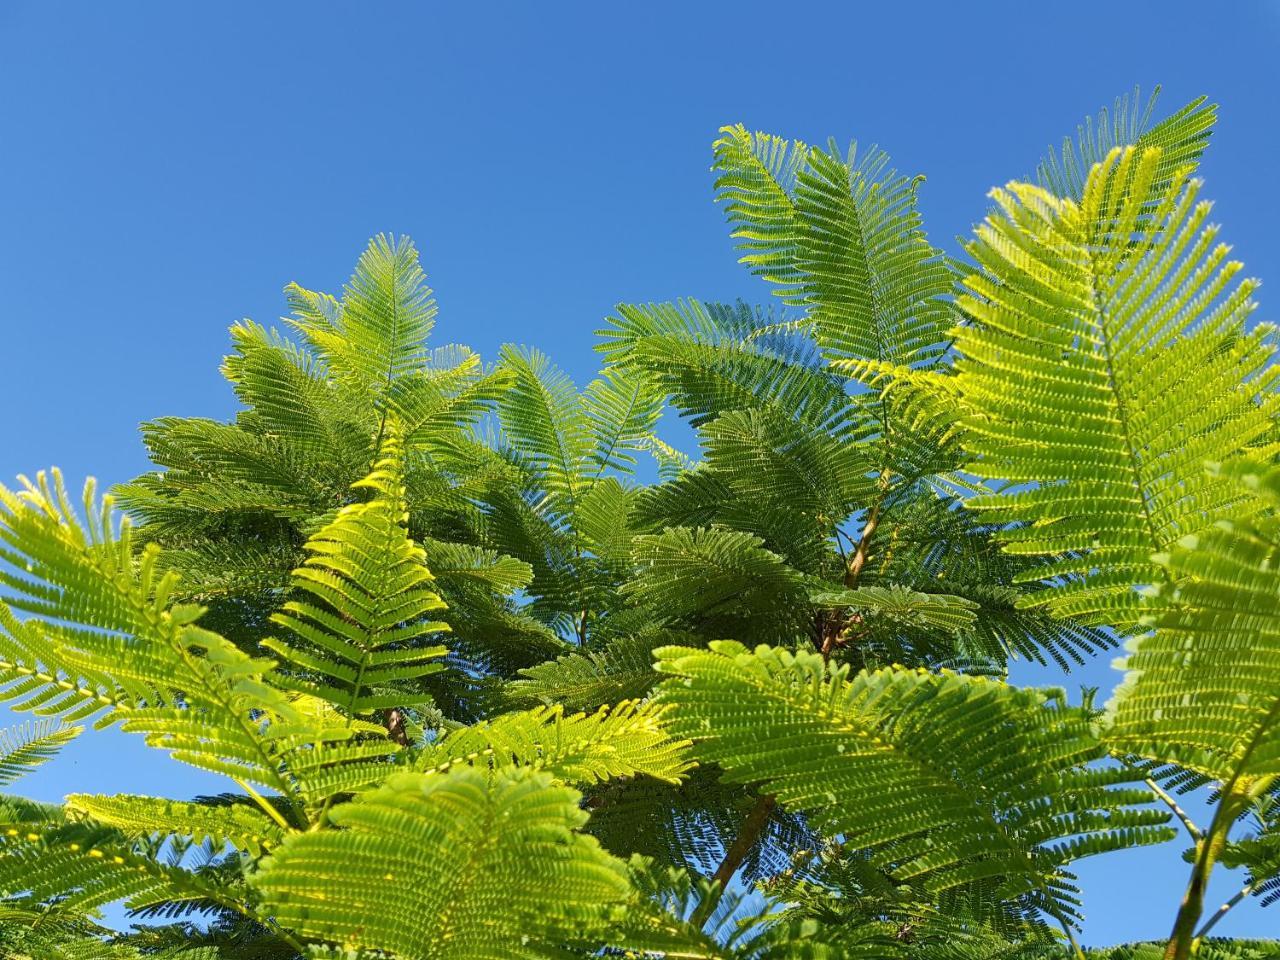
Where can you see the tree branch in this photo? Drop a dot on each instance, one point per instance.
(752, 829)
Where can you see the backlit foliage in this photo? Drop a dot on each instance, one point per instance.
(492, 669)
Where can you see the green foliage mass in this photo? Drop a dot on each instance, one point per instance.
(493, 671)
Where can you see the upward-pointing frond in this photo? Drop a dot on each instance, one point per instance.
(623, 408)
(947, 781)
(543, 418)
(25, 747)
(1181, 138)
(379, 330)
(359, 624)
(840, 235)
(1106, 362)
(756, 176)
(875, 288)
(454, 866)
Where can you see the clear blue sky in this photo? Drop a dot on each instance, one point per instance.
(166, 168)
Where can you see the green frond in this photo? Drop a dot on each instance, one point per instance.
(82, 866)
(944, 780)
(586, 680)
(238, 824)
(1203, 690)
(103, 621)
(765, 457)
(289, 394)
(584, 748)
(689, 571)
(623, 408)
(33, 677)
(1181, 139)
(364, 597)
(908, 608)
(1107, 361)
(25, 747)
(543, 418)
(458, 562)
(709, 358)
(841, 236)
(454, 865)
(379, 330)
(435, 404)
(756, 176)
(873, 285)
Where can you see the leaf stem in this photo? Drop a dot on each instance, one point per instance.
(1196, 833)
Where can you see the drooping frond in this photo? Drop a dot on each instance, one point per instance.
(25, 747)
(80, 867)
(379, 330)
(359, 623)
(1203, 690)
(623, 670)
(104, 627)
(242, 826)
(908, 608)
(945, 780)
(583, 748)
(33, 676)
(685, 571)
(1181, 138)
(456, 865)
(709, 358)
(1107, 361)
(764, 457)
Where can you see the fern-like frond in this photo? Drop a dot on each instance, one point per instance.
(586, 680)
(543, 417)
(623, 408)
(841, 236)
(104, 628)
(685, 571)
(1107, 361)
(584, 748)
(364, 598)
(238, 824)
(1203, 690)
(25, 747)
(709, 358)
(1181, 138)
(756, 178)
(908, 608)
(378, 332)
(946, 780)
(83, 866)
(455, 865)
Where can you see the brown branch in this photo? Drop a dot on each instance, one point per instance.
(853, 571)
(396, 729)
(752, 829)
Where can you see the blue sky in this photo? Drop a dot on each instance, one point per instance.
(166, 168)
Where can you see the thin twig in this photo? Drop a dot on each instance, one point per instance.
(1196, 833)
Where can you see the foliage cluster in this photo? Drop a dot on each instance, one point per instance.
(480, 690)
